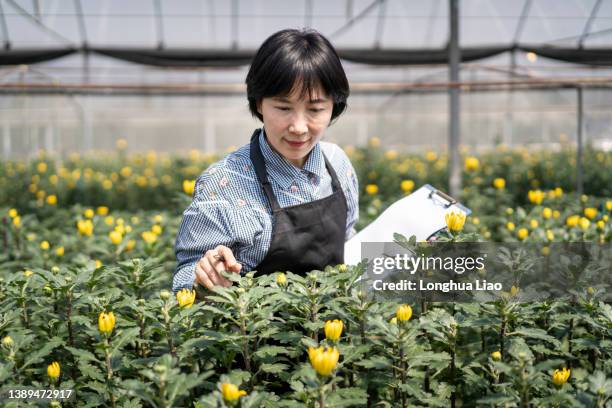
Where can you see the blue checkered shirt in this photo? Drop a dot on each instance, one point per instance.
(230, 208)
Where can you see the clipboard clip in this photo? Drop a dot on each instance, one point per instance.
(450, 200)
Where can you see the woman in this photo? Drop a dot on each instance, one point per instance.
(285, 201)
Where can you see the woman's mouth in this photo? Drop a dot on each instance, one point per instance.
(295, 143)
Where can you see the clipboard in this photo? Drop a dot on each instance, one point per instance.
(420, 213)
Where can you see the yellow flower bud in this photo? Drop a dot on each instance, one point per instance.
(7, 341)
(231, 392)
(407, 186)
(403, 313)
(98, 264)
(496, 355)
(547, 213)
(324, 361)
(44, 245)
(189, 186)
(393, 320)
(471, 163)
(281, 279)
(149, 237)
(53, 370)
(510, 226)
(499, 183)
(27, 273)
(590, 212)
(584, 223)
(88, 213)
(130, 245)
(374, 142)
(164, 295)
(106, 322)
(13, 213)
(52, 199)
(371, 189)
(333, 329)
(455, 221)
(115, 237)
(514, 290)
(85, 227)
(533, 223)
(185, 297)
(102, 210)
(156, 229)
(535, 196)
(522, 233)
(59, 251)
(560, 377)
(17, 221)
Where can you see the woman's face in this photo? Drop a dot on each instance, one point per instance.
(295, 124)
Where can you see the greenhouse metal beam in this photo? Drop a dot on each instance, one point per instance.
(81, 22)
(521, 22)
(308, 13)
(355, 19)
(454, 181)
(579, 142)
(587, 26)
(380, 23)
(159, 24)
(5, 33)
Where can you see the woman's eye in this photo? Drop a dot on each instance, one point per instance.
(316, 110)
(283, 108)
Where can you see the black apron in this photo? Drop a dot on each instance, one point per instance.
(306, 236)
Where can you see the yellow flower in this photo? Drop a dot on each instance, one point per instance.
(231, 392)
(556, 214)
(185, 297)
(407, 186)
(98, 264)
(52, 199)
(391, 155)
(558, 191)
(126, 171)
(522, 233)
(374, 142)
(149, 237)
(44, 245)
(158, 219)
(323, 360)
(85, 227)
(41, 167)
(510, 226)
(471, 163)
(514, 290)
(121, 144)
(609, 205)
(590, 212)
(130, 245)
(455, 221)
(431, 156)
(102, 210)
(584, 223)
(499, 183)
(371, 189)
(547, 213)
(509, 211)
(533, 223)
(156, 229)
(13, 213)
(88, 213)
(535, 196)
(403, 313)
(545, 251)
(115, 237)
(281, 279)
(27, 273)
(107, 184)
(106, 322)
(496, 355)
(549, 235)
(188, 186)
(59, 251)
(572, 221)
(560, 377)
(393, 320)
(7, 341)
(53, 370)
(333, 329)
(17, 221)
(601, 224)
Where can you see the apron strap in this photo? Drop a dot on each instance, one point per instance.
(260, 170)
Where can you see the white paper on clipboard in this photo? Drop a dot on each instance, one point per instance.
(421, 214)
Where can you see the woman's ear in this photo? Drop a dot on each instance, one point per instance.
(259, 107)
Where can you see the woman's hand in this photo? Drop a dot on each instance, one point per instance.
(209, 267)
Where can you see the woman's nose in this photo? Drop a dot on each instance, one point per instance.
(298, 124)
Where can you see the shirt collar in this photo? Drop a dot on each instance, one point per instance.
(283, 171)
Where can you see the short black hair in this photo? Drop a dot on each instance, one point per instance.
(289, 56)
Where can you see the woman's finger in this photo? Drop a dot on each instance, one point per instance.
(230, 261)
(217, 266)
(202, 278)
(209, 270)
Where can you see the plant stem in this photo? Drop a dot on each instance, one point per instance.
(68, 318)
(109, 370)
(168, 329)
(321, 395)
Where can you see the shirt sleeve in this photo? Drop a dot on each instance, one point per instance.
(211, 220)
